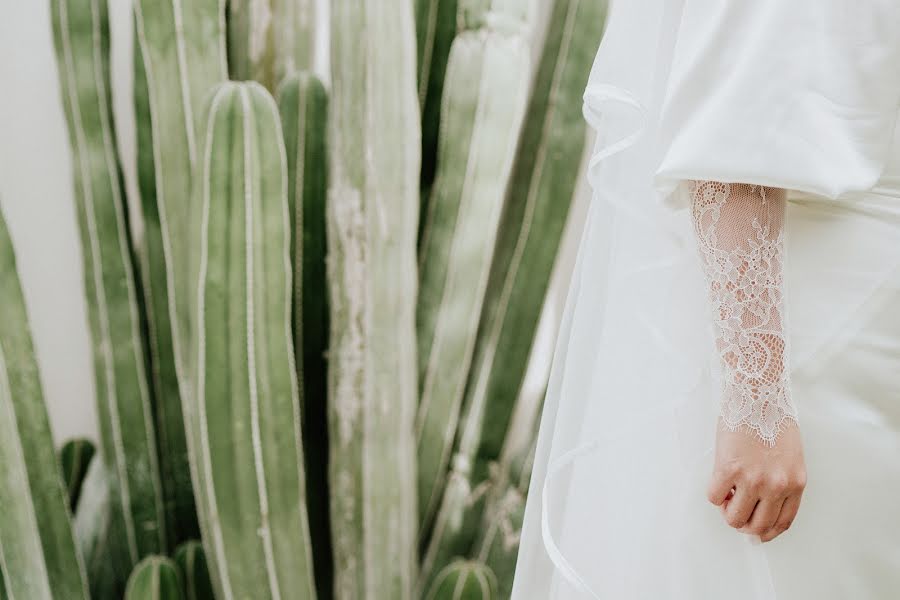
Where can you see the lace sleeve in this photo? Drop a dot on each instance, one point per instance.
(740, 235)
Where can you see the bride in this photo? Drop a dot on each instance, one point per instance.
(723, 416)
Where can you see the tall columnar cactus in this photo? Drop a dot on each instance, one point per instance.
(436, 26)
(543, 183)
(81, 37)
(191, 562)
(178, 497)
(487, 86)
(154, 578)
(464, 580)
(372, 220)
(246, 417)
(74, 458)
(303, 102)
(39, 559)
(182, 47)
(180, 56)
(269, 40)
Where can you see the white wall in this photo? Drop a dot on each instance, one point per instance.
(37, 200)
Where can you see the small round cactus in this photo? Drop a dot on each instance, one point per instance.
(464, 580)
(154, 578)
(191, 562)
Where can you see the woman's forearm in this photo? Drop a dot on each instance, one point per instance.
(740, 233)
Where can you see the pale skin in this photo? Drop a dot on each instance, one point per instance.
(768, 482)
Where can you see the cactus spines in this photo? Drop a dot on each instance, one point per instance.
(247, 405)
(81, 37)
(191, 563)
(38, 555)
(484, 102)
(303, 102)
(498, 544)
(269, 40)
(74, 458)
(154, 578)
(464, 580)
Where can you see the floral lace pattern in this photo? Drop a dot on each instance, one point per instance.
(740, 233)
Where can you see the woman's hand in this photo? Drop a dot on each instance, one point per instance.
(757, 486)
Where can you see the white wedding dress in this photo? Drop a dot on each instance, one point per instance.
(707, 109)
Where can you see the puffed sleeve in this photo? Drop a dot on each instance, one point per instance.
(798, 94)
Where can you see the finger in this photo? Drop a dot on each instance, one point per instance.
(785, 518)
(788, 512)
(740, 507)
(764, 516)
(720, 487)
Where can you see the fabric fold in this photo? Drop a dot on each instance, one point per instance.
(802, 95)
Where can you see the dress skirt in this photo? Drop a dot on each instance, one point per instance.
(618, 509)
(844, 276)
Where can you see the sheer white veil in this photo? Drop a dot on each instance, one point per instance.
(617, 498)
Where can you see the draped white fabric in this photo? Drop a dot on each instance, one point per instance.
(803, 95)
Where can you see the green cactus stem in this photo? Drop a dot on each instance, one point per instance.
(182, 47)
(154, 578)
(99, 534)
(464, 580)
(373, 210)
(542, 185)
(178, 496)
(183, 55)
(501, 15)
(436, 26)
(74, 458)
(81, 36)
(372, 218)
(484, 103)
(39, 559)
(303, 102)
(269, 40)
(498, 543)
(191, 563)
(246, 417)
